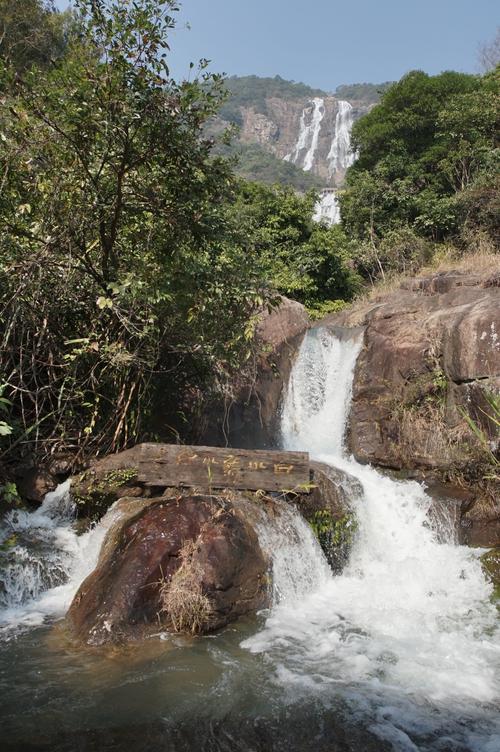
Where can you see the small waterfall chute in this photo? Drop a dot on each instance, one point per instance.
(43, 560)
(327, 210)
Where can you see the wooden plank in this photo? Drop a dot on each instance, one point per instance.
(214, 467)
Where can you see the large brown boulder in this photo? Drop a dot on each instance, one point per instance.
(248, 418)
(431, 352)
(186, 563)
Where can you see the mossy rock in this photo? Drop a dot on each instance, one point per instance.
(94, 494)
(335, 536)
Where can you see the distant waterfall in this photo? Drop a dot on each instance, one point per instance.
(307, 142)
(327, 210)
(340, 156)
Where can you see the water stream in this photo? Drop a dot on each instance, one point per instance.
(309, 129)
(409, 623)
(400, 652)
(341, 156)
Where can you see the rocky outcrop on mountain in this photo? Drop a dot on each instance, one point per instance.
(431, 354)
(248, 418)
(306, 127)
(313, 134)
(186, 563)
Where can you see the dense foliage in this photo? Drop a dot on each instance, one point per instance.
(124, 279)
(254, 162)
(366, 93)
(32, 33)
(301, 259)
(427, 160)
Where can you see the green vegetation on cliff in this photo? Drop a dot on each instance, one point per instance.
(367, 93)
(253, 162)
(253, 91)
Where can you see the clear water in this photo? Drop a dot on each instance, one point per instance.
(400, 652)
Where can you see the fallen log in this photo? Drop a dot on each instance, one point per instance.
(214, 467)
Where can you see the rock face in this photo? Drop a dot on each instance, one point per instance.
(249, 418)
(306, 131)
(431, 352)
(187, 563)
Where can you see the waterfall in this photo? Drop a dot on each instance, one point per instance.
(309, 130)
(340, 156)
(43, 560)
(327, 209)
(409, 621)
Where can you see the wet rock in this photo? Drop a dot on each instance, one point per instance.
(33, 485)
(446, 513)
(329, 509)
(190, 563)
(481, 523)
(491, 566)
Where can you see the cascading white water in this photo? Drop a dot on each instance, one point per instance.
(409, 621)
(327, 209)
(340, 156)
(309, 130)
(280, 536)
(44, 560)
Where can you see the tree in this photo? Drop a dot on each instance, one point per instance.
(301, 259)
(429, 138)
(489, 53)
(124, 282)
(31, 32)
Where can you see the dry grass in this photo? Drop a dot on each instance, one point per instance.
(182, 597)
(480, 258)
(425, 428)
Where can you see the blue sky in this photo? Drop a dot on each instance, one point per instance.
(326, 42)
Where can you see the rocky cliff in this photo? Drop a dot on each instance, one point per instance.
(431, 356)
